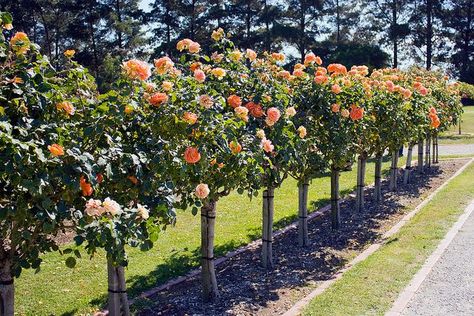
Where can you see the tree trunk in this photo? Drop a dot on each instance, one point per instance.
(378, 178)
(435, 149)
(303, 239)
(267, 229)
(420, 155)
(335, 208)
(427, 152)
(361, 165)
(406, 175)
(208, 271)
(394, 171)
(7, 290)
(118, 300)
(459, 127)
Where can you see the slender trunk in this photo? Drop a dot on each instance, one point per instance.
(394, 171)
(208, 271)
(429, 33)
(406, 175)
(267, 229)
(420, 155)
(303, 239)
(427, 152)
(433, 153)
(378, 178)
(437, 148)
(7, 289)
(361, 164)
(118, 300)
(459, 127)
(335, 208)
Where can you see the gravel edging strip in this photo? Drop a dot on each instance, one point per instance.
(407, 294)
(298, 306)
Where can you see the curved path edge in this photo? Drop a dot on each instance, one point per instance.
(301, 304)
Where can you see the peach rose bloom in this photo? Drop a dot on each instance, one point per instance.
(235, 55)
(267, 145)
(255, 109)
(335, 107)
(67, 107)
(111, 207)
(406, 93)
(85, 187)
(219, 73)
(194, 48)
(190, 118)
(345, 113)
(167, 86)
(142, 212)
(195, 66)
(94, 208)
(235, 147)
(417, 85)
(217, 34)
(273, 114)
(183, 44)
(298, 73)
(202, 191)
(290, 112)
(390, 86)
(242, 113)
(423, 91)
(217, 57)
(356, 112)
(69, 53)
(260, 134)
(163, 65)
(321, 79)
(250, 54)
(284, 74)
(199, 75)
(56, 150)
(137, 69)
(336, 88)
(309, 59)
(158, 98)
(23, 46)
(192, 155)
(234, 101)
(278, 57)
(302, 131)
(206, 101)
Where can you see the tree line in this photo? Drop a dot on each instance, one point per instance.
(371, 32)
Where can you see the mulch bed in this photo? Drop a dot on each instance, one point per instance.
(247, 289)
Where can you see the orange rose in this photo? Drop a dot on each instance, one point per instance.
(335, 107)
(273, 114)
(423, 91)
(133, 179)
(206, 101)
(254, 109)
(190, 118)
(320, 79)
(20, 42)
(85, 187)
(69, 53)
(235, 147)
(250, 54)
(202, 191)
(267, 145)
(195, 66)
(356, 112)
(99, 178)
(194, 48)
(234, 101)
(192, 155)
(199, 75)
(242, 113)
(66, 107)
(345, 113)
(219, 73)
(337, 69)
(167, 86)
(183, 44)
(56, 150)
(158, 98)
(336, 88)
(137, 69)
(163, 65)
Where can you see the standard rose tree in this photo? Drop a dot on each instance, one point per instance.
(42, 153)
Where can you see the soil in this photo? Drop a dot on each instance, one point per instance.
(248, 289)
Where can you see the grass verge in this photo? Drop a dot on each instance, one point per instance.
(371, 287)
(57, 290)
(452, 136)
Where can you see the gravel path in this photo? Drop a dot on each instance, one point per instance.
(449, 287)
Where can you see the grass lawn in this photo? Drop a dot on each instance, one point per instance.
(467, 130)
(373, 285)
(58, 290)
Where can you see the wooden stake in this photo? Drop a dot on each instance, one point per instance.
(303, 239)
(435, 149)
(361, 166)
(406, 175)
(427, 152)
(335, 208)
(118, 300)
(362, 188)
(394, 171)
(420, 155)
(378, 178)
(208, 271)
(267, 229)
(7, 290)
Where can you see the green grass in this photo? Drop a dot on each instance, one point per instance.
(467, 130)
(59, 290)
(371, 287)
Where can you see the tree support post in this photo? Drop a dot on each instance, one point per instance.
(394, 171)
(208, 271)
(117, 300)
(420, 155)
(303, 239)
(427, 152)
(360, 199)
(267, 229)
(407, 173)
(7, 289)
(335, 208)
(378, 178)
